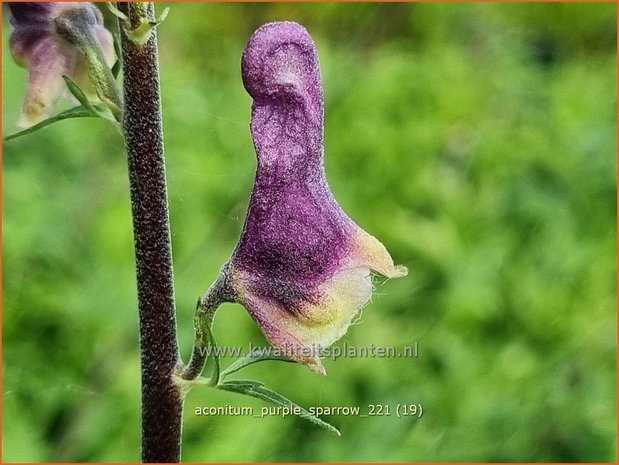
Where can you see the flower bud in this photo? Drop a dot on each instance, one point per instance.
(302, 266)
(56, 39)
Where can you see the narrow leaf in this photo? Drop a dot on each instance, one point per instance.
(75, 112)
(250, 360)
(216, 376)
(79, 94)
(260, 391)
(116, 12)
(116, 68)
(118, 65)
(244, 382)
(163, 16)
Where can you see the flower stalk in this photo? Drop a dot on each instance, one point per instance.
(217, 294)
(162, 399)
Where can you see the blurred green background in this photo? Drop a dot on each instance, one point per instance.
(477, 141)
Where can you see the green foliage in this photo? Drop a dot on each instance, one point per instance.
(75, 112)
(477, 141)
(260, 391)
(247, 360)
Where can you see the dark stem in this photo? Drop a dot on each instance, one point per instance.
(162, 404)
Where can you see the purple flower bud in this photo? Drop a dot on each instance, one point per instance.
(302, 266)
(52, 40)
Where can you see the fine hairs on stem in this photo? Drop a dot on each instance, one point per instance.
(162, 404)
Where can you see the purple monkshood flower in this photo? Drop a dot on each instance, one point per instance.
(302, 266)
(52, 40)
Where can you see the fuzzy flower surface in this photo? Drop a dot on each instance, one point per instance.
(55, 39)
(302, 266)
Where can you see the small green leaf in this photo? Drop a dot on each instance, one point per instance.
(117, 48)
(244, 382)
(118, 65)
(260, 391)
(79, 94)
(141, 34)
(75, 112)
(116, 12)
(250, 360)
(96, 110)
(163, 16)
(216, 376)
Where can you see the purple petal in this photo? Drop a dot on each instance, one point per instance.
(31, 13)
(281, 72)
(22, 42)
(294, 227)
(48, 62)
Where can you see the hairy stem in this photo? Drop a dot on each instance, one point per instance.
(162, 402)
